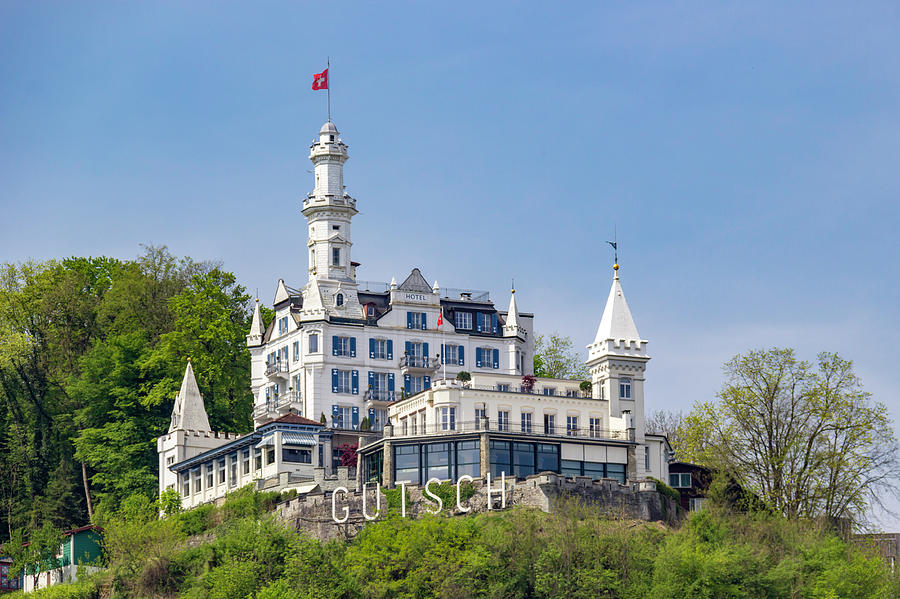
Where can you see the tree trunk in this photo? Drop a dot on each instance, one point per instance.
(87, 491)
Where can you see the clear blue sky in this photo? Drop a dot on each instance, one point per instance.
(747, 154)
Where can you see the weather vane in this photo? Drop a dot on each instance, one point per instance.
(615, 246)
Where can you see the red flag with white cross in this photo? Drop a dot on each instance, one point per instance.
(320, 80)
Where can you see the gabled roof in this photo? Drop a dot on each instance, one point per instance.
(281, 293)
(415, 282)
(616, 322)
(188, 412)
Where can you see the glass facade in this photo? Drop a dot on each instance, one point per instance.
(523, 459)
(445, 461)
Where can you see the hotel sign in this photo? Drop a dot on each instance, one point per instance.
(416, 297)
(345, 510)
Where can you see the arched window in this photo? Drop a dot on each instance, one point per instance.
(624, 388)
(339, 299)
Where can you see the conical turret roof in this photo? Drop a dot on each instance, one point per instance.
(616, 322)
(188, 412)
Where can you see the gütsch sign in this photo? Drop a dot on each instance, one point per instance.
(345, 510)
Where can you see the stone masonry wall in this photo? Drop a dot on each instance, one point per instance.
(547, 492)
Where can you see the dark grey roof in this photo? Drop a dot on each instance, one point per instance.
(415, 282)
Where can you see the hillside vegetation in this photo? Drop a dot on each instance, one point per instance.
(241, 551)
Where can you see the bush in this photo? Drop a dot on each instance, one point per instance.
(198, 520)
(667, 490)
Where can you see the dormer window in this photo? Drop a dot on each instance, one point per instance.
(339, 300)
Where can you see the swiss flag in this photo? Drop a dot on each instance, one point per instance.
(440, 320)
(320, 80)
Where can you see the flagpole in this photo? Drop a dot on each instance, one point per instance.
(443, 347)
(328, 89)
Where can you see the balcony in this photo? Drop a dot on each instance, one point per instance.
(279, 406)
(277, 369)
(557, 432)
(419, 363)
(379, 395)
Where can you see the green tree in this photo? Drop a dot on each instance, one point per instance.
(38, 554)
(554, 358)
(805, 437)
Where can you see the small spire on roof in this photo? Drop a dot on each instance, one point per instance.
(188, 412)
(393, 282)
(257, 330)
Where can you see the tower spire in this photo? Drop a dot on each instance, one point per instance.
(188, 412)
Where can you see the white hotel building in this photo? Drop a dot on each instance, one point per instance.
(367, 355)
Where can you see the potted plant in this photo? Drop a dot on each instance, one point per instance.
(464, 378)
(528, 383)
(586, 387)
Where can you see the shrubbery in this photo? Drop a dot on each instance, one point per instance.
(514, 553)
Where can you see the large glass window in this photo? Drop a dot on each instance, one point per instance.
(221, 471)
(451, 354)
(246, 460)
(572, 426)
(616, 471)
(406, 464)
(197, 477)
(233, 469)
(468, 458)
(300, 456)
(595, 427)
(594, 470)
(343, 381)
(526, 422)
(479, 414)
(501, 459)
(374, 467)
(379, 349)
(523, 459)
(344, 417)
(209, 476)
(415, 320)
(437, 461)
(341, 345)
(464, 320)
(547, 457)
(624, 388)
(570, 467)
(313, 343)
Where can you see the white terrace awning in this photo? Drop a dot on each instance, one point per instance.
(266, 442)
(301, 439)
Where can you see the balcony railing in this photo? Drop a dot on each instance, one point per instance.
(535, 429)
(423, 362)
(379, 395)
(276, 368)
(521, 390)
(279, 404)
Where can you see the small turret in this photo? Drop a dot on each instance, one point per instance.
(188, 412)
(257, 330)
(512, 328)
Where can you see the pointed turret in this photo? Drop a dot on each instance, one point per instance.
(313, 306)
(281, 293)
(512, 328)
(257, 330)
(616, 324)
(188, 412)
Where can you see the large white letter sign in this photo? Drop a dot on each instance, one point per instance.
(403, 499)
(377, 501)
(440, 503)
(334, 505)
(502, 491)
(459, 504)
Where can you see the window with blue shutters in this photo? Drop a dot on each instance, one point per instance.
(494, 323)
(378, 349)
(486, 357)
(391, 382)
(390, 349)
(416, 320)
(425, 353)
(407, 383)
(496, 358)
(479, 361)
(344, 381)
(426, 381)
(335, 415)
(479, 322)
(461, 356)
(343, 346)
(355, 417)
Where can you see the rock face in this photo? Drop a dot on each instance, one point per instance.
(548, 492)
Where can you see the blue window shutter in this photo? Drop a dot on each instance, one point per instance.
(354, 381)
(496, 358)
(355, 416)
(462, 361)
(372, 416)
(334, 345)
(408, 347)
(406, 383)
(352, 347)
(478, 358)
(443, 350)
(335, 412)
(334, 382)
(371, 347)
(390, 349)
(427, 382)
(425, 352)
(493, 323)
(409, 322)
(479, 321)
(424, 321)
(371, 379)
(390, 381)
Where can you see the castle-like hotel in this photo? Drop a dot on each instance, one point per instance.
(350, 364)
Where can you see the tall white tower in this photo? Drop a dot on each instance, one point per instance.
(328, 210)
(617, 360)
